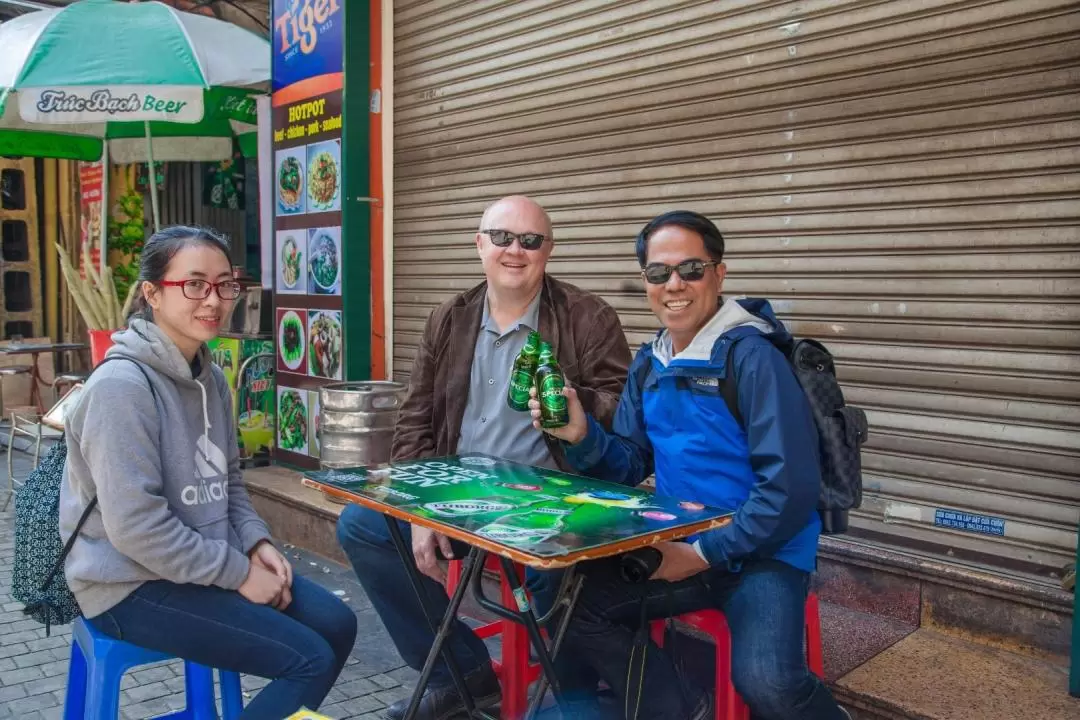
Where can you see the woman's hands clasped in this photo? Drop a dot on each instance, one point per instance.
(269, 579)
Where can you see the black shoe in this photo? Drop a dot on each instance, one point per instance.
(443, 703)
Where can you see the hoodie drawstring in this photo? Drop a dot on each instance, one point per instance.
(205, 410)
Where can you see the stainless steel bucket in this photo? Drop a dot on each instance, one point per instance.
(356, 422)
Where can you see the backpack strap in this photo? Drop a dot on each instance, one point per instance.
(93, 502)
(642, 374)
(729, 386)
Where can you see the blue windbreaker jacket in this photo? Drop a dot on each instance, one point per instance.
(678, 426)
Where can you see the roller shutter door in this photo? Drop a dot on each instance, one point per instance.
(900, 178)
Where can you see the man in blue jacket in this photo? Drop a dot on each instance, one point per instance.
(672, 420)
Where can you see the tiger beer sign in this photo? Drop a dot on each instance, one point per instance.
(306, 39)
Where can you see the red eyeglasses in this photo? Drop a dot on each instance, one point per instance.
(200, 289)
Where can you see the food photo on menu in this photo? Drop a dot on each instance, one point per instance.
(291, 261)
(324, 176)
(292, 341)
(290, 181)
(324, 261)
(293, 420)
(324, 344)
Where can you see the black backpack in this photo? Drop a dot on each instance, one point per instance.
(841, 428)
(37, 578)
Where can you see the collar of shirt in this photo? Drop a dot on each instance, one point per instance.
(530, 320)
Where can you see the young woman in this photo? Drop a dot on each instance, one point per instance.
(174, 558)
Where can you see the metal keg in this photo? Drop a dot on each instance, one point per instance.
(356, 422)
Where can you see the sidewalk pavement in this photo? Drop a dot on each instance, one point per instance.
(33, 668)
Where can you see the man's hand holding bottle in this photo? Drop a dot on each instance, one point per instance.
(573, 431)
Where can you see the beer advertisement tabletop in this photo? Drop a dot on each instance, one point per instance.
(534, 516)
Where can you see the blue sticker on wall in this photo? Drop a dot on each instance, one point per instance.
(957, 520)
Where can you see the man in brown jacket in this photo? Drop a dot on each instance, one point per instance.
(457, 404)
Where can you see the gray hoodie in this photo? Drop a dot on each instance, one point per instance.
(166, 470)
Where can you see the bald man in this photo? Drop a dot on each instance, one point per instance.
(457, 404)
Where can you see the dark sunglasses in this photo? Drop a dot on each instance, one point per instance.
(503, 238)
(200, 289)
(689, 271)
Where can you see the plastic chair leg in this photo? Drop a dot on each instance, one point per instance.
(75, 695)
(11, 444)
(199, 686)
(232, 697)
(103, 691)
(815, 656)
(453, 576)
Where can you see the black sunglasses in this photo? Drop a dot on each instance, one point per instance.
(689, 271)
(503, 238)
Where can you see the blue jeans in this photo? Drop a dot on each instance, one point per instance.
(765, 609)
(301, 649)
(364, 536)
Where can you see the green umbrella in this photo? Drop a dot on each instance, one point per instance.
(229, 113)
(151, 81)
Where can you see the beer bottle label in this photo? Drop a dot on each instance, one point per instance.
(520, 383)
(552, 401)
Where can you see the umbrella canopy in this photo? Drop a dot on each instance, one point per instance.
(96, 71)
(228, 113)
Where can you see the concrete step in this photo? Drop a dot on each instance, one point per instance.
(929, 675)
(1011, 612)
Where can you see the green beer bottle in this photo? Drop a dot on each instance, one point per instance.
(549, 386)
(521, 377)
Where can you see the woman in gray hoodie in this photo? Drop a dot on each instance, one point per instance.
(174, 558)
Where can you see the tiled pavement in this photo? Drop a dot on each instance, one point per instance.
(33, 667)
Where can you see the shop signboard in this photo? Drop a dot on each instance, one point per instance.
(91, 210)
(306, 120)
(306, 38)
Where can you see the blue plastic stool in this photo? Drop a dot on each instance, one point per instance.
(98, 663)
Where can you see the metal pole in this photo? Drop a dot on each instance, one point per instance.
(103, 236)
(474, 564)
(527, 617)
(1074, 653)
(153, 177)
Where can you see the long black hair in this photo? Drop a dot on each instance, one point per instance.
(159, 251)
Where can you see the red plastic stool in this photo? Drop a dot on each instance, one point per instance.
(729, 706)
(513, 669)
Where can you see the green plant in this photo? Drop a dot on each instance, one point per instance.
(127, 234)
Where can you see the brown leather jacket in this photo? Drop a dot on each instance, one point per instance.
(583, 329)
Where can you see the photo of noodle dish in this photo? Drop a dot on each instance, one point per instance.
(324, 261)
(291, 259)
(324, 176)
(289, 180)
(324, 344)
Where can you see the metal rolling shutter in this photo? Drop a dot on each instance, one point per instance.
(900, 178)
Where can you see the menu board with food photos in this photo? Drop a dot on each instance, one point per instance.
(307, 197)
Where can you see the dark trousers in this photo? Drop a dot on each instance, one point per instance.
(765, 609)
(364, 536)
